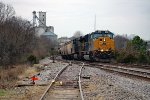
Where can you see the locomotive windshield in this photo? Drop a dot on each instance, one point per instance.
(102, 34)
(97, 35)
(110, 35)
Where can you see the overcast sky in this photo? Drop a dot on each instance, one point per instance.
(68, 16)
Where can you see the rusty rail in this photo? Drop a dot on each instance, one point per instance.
(80, 88)
(53, 81)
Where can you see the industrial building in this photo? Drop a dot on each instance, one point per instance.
(42, 29)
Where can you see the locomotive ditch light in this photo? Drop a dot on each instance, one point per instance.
(104, 39)
(102, 50)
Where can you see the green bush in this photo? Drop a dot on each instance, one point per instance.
(32, 59)
(119, 56)
(149, 60)
(142, 58)
(124, 57)
(129, 58)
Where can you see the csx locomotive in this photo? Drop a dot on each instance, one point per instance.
(94, 46)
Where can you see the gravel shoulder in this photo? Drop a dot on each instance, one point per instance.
(108, 86)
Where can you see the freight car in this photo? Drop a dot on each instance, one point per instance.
(94, 46)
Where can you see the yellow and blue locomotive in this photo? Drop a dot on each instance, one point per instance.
(94, 46)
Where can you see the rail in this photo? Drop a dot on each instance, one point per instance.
(52, 82)
(80, 88)
(121, 70)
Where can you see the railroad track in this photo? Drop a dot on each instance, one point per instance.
(127, 71)
(121, 70)
(61, 89)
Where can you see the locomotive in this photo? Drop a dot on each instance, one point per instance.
(94, 47)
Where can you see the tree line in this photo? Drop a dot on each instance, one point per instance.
(18, 41)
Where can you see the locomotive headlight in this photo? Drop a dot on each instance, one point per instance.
(102, 50)
(104, 39)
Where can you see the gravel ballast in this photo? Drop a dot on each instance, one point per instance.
(108, 86)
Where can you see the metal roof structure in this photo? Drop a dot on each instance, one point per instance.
(49, 33)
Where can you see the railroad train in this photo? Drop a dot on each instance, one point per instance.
(95, 46)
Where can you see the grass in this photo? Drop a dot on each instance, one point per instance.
(9, 76)
(2, 92)
(30, 72)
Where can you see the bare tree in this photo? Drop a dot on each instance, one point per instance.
(16, 39)
(6, 12)
(43, 47)
(77, 34)
(120, 42)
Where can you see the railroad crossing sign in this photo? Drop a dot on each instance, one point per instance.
(33, 79)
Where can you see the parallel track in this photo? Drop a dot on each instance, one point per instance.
(126, 71)
(121, 70)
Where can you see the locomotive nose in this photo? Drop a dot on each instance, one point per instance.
(104, 47)
(103, 44)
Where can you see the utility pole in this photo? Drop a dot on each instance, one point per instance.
(34, 18)
(95, 23)
(52, 52)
